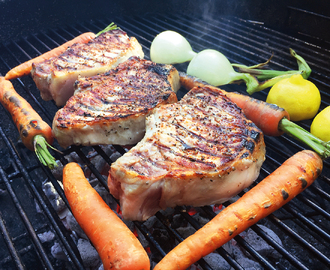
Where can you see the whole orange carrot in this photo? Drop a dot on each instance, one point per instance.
(116, 244)
(36, 134)
(271, 119)
(25, 68)
(295, 175)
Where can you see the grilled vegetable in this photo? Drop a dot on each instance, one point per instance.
(212, 66)
(116, 244)
(25, 68)
(170, 47)
(270, 118)
(295, 175)
(36, 134)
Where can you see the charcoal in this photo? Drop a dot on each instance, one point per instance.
(55, 199)
(245, 262)
(46, 236)
(186, 231)
(260, 245)
(5, 160)
(58, 171)
(88, 253)
(57, 252)
(217, 262)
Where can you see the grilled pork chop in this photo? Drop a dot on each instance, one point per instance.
(199, 151)
(111, 108)
(55, 77)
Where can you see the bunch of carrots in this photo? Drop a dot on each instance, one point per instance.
(115, 243)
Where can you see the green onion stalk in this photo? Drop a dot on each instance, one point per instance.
(270, 77)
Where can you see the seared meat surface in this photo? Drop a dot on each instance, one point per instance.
(199, 151)
(111, 108)
(55, 77)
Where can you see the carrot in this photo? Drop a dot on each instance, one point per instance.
(116, 244)
(25, 68)
(36, 134)
(266, 116)
(271, 119)
(295, 175)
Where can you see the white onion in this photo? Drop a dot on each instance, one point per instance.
(212, 67)
(170, 47)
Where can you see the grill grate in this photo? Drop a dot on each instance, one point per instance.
(302, 224)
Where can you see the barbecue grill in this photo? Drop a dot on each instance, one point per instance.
(27, 212)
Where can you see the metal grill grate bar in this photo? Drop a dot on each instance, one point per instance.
(14, 254)
(53, 218)
(26, 221)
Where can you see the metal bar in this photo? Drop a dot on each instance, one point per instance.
(26, 221)
(291, 258)
(53, 218)
(315, 206)
(302, 241)
(317, 231)
(12, 250)
(91, 167)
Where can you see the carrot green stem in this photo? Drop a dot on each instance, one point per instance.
(111, 26)
(41, 150)
(322, 148)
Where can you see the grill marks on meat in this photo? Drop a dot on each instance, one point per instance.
(111, 108)
(55, 77)
(199, 151)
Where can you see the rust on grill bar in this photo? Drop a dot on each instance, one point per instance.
(36, 232)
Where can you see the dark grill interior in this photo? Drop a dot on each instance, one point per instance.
(25, 212)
